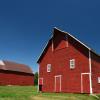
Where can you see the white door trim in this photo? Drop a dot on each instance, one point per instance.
(60, 82)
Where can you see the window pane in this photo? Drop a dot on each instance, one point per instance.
(48, 67)
(72, 63)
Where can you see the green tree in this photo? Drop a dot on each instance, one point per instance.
(36, 78)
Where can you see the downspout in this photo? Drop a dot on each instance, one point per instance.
(90, 67)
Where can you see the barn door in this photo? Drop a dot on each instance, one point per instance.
(58, 83)
(85, 83)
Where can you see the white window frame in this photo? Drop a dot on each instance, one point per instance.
(99, 80)
(72, 63)
(48, 68)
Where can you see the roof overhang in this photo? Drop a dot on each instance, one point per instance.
(70, 36)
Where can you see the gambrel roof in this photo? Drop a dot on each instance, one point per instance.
(55, 28)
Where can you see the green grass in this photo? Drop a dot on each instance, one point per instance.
(30, 93)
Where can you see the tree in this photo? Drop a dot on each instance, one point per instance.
(36, 78)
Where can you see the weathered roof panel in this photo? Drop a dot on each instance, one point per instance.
(12, 66)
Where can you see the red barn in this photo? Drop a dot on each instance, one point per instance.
(68, 65)
(12, 73)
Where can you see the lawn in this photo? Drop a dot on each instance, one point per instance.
(30, 93)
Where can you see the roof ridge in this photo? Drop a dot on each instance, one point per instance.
(70, 36)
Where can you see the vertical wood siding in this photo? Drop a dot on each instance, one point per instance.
(59, 60)
(16, 78)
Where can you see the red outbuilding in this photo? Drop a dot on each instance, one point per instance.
(12, 73)
(68, 65)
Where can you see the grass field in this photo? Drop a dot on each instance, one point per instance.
(30, 93)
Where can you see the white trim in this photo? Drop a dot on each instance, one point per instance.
(45, 46)
(90, 76)
(72, 63)
(85, 73)
(99, 80)
(60, 82)
(54, 85)
(43, 50)
(73, 37)
(66, 33)
(58, 76)
(90, 66)
(48, 68)
(82, 80)
(81, 84)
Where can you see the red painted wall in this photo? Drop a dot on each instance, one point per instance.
(16, 78)
(95, 73)
(85, 83)
(60, 59)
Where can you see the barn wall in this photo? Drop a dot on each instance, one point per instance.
(59, 59)
(95, 73)
(16, 78)
(47, 77)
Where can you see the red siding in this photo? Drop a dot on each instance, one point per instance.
(59, 59)
(16, 78)
(95, 73)
(41, 81)
(57, 84)
(86, 83)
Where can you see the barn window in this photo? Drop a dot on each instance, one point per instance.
(98, 79)
(48, 67)
(72, 63)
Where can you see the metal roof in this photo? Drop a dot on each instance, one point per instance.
(12, 66)
(55, 28)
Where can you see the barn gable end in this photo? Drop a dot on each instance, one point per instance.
(61, 49)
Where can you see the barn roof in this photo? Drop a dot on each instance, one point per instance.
(43, 52)
(12, 66)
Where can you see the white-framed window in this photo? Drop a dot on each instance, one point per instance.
(72, 63)
(48, 67)
(98, 79)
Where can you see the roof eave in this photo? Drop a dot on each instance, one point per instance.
(70, 36)
(73, 37)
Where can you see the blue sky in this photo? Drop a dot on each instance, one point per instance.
(26, 26)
